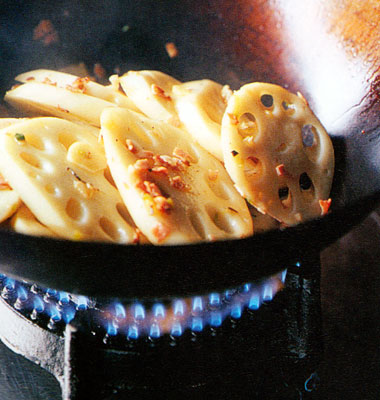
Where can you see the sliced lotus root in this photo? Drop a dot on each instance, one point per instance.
(262, 222)
(9, 202)
(4, 122)
(23, 221)
(175, 190)
(200, 106)
(151, 92)
(60, 171)
(277, 152)
(77, 84)
(34, 98)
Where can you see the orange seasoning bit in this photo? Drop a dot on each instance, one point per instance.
(182, 155)
(233, 118)
(163, 204)
(325, 206)
(157, 91)
(161, 231)
(178, 183)
(281, 171)
(79, 85)
(45, 32)
(63, 109)
(3, 183)
(171, 49)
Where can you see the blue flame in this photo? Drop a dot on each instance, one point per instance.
(82, 303)
(154, 331)
(9, 283)
(22, 294)
(268, 292)
(176, 330)
(216, 319)
(68, 314)
(197, 304)
(159, 310)
(64, 297)
(254, 302)
(54, 313)
(111, 328)
(179, 308)
(236, 311)
(214, 299)
(197, 324)
(139, 311)
(133, 332)
(119, 311)
(38, 304)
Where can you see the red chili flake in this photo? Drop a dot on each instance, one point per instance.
(233, 118)
(325, 205)
(137, 236)
(163, 204)
(152, 188)
(63, 109)
(99, 72)
(79, 85)
(234, 153)
(30, 78)
(130, 146)
(182, 155)
(281, 171)
(48, 81)
(171, 49)
(363, 132)
(178, 183)
(3, 183)
(160, 170)
(160, 231)
(45, 32)
(253, 159)
(157, 91)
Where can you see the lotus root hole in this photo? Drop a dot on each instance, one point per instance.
(74, 209)
(285, 196)
(305, 182)
(219, 218)
(289, 107)
(51, 189)
(267, 100)
(282, 147)
(31, 159)
(247, 124)
(308, 135)
(253, 166)
(124, 213)
(217, 187)
(108, 177)
(66, 139)
(109, 228)
(197, 223)
(36, 142)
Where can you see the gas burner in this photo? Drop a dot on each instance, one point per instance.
(53, 310)
(259, 338)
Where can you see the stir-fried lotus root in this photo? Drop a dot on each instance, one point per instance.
(59, 170)
(151, 92)
(277, 153)
(200, 106)
(23, 221)
(175, 190)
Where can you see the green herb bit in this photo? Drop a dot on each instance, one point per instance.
(20, 137)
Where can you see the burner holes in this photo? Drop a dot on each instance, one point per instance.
(267, 100)
(308, 135)
(31, 159)
(305, 182)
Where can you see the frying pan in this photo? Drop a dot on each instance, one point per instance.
(326, 50)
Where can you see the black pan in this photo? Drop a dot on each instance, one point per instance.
(326, 51)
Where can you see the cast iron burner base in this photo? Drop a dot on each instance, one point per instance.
(269, 353)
